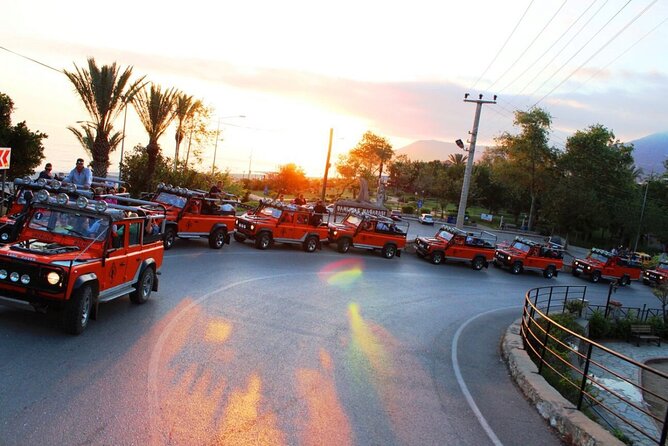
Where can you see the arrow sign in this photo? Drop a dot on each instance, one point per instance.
(5, 156)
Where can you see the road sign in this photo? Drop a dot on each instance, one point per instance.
(5, 156)
(419, 204)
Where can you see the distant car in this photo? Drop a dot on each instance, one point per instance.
(395, 215)
(426, 219)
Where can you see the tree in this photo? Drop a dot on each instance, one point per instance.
(185, 109)
(661, 293)
(457, 159)
(290, 178)
(156, 111)
(26, 145)
(366, 159)
(526, 162)
(104, 91)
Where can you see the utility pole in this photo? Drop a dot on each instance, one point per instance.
(329, 154)
(469, 162)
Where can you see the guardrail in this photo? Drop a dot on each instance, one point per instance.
(597, 379)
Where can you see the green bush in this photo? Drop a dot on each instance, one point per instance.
(407, 209)
(621, 328)
(425, 211)
(599, 326)
(658, 326)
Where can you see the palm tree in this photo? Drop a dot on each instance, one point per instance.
(86, 138)
(104, 91)
(457, 159)
(156, 111)
(182, 110)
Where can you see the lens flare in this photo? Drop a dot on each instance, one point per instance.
(342, 273)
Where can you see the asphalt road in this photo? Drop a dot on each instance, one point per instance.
(242, 346)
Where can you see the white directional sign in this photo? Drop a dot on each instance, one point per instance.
(5, 156)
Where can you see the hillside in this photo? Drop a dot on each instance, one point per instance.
(430, 150)
(650, 152)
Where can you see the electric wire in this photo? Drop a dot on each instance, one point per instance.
(581, 48)
(540, 33)
(504, 44)
(619, 56)
(31, 59)
(624, 28)
(533, 64)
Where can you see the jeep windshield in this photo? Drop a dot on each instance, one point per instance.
(353, 220)
(662, 265)
(445, 235)
(521, 246)
(270, 211)
(171, 199)
(69, 223)
(598, 256)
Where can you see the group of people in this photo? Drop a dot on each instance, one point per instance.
(80, 175)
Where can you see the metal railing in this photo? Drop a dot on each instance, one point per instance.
(593, 377)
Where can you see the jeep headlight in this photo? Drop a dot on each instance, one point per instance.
(3, 274)
(82, 202)
(62, 199)
(335, 232)
(14, 277)
(4, 236)
(53, 278)
(588, 267)
(25, 279)
(42, 196)
(252, 227)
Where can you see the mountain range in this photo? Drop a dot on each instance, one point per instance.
(649, 151)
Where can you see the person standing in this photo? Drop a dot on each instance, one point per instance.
(46, 173)
(216, 190)
(80, 175)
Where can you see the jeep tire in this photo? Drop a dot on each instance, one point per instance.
(516, 268)
(239, 237)
(436, 257)
(144, 287)
(78, 310)
(343, 245)
(263, 240)
(311, 243)
(217, 238)
(477, 263)
(549, 272)
(170, 236)
(596, 276)
(389, 251)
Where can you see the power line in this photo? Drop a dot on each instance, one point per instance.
(581, 48)
(620, 55)
(31, 59)
(528, 46)
(599, 50)
(504, 45)
(533, 64)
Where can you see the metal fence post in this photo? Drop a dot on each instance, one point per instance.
(542, 353)
(585, 374)
(549, 302)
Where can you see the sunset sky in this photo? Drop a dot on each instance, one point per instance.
(298, 68)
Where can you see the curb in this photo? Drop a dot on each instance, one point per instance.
(574, 426)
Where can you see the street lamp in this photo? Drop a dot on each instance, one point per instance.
(215, 147)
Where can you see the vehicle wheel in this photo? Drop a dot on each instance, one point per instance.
(78, 309)
(596, 276)
(239, 237)
(436, 257)
(516, 268)
(645, 281)
(170, 236)
(478, 263)
(549, 272)
(625, 281)
(217, 238)
(263, 241)
(575, 273)
(144, 287)
(496, 264)
(389, 251)
(310, 244)
(343, 245)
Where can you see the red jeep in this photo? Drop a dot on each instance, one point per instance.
(657, 275)
(366, 231)
(451, 243)
(191, 214)
(273, 221)
(604, 264)
(75, 255)
(523, 254)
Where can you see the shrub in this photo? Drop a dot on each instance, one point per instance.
(425, 211)
(621, 328)
(575, 306)
(599, 326)
(407, 209)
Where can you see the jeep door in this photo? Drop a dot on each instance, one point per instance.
(191, 218)
(134, 251)
(285, 229)
(113, 273)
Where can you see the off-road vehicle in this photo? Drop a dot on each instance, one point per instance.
(524, 254)
(601, 264)
(73, 256)
(656, 275)
(451, 243)
(366, 231)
